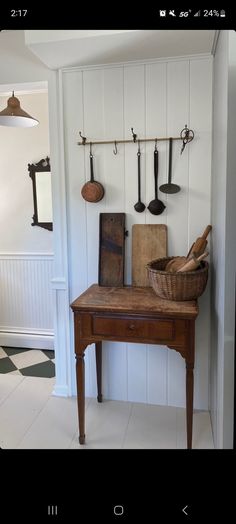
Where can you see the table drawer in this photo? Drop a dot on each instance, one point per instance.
(132, 327)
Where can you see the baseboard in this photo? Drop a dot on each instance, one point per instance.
(61, 391)
(26, 340)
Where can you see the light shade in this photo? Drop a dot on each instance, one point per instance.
(14, 116)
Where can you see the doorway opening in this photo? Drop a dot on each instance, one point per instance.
(26, 252)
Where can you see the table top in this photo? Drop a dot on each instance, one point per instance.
(130, 299)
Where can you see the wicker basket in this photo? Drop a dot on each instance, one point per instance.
(187, 285)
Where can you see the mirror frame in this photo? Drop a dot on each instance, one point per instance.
(42, 166)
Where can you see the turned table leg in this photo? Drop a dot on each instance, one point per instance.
(98, 351)
(189, 385)
(80, 379)
(189, 406)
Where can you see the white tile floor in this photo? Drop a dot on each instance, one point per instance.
(31, 418)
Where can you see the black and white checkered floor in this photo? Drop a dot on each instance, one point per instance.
(27, 362)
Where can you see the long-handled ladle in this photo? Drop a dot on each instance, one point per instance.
(156, 206)
(170, 188)
(139, 206)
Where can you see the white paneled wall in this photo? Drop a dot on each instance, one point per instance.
(26, 300)
(157, 99)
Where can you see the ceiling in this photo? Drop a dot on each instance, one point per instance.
(65, 48)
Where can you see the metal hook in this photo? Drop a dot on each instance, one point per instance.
(90, 146)
(134, 134)
(115, 150)
(83, 138)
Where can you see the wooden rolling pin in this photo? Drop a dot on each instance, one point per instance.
(199, 246)
(174, 264)
(192, 263)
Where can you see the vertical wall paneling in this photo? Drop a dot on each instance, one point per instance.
(156, 99)
(177, 204)
(117, 377)
(200, 199)
(115, 355)
(134, 116)
(26, 297)
(137, 373)
(200, 151)
(177, 117)
(93, 85)
(157, 374)
(175, 379)
(202, 351)
(113, 103)
(156, 125)
(75, 176)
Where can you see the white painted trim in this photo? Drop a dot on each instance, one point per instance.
(27, 331)
(58, 283)
(25, 340)
(215, 42)
(199, 56)
(61, 391)
(26, 256)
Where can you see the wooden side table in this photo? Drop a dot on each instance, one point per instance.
(132, 314)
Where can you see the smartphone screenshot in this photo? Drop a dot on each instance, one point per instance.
(117, 263)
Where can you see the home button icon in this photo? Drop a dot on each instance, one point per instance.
(118, 510)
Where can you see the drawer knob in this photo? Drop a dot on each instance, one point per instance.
(132, 327)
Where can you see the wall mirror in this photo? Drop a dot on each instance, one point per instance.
(40, 175)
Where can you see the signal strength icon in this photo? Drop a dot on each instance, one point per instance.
(198, 13)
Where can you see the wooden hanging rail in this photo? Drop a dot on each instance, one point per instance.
(186, 136)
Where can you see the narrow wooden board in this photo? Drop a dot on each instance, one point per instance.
(111, 249)
(149, 241)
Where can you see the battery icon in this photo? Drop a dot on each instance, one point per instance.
(222, 12)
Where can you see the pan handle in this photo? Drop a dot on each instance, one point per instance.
(91, 164)
(156, 172)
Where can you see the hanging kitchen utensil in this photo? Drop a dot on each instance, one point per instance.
(139, 206)
(170, 188)
(92, 191)
(156, 206)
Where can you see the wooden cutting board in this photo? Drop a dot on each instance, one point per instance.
(149, 241)
(111, 249)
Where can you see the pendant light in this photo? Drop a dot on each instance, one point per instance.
(14, 116)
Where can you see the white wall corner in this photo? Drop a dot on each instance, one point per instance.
(61, 390)
(62, 340)
(59, 282)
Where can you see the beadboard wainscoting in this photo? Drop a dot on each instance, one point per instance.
(26, 306)
(156, 98)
